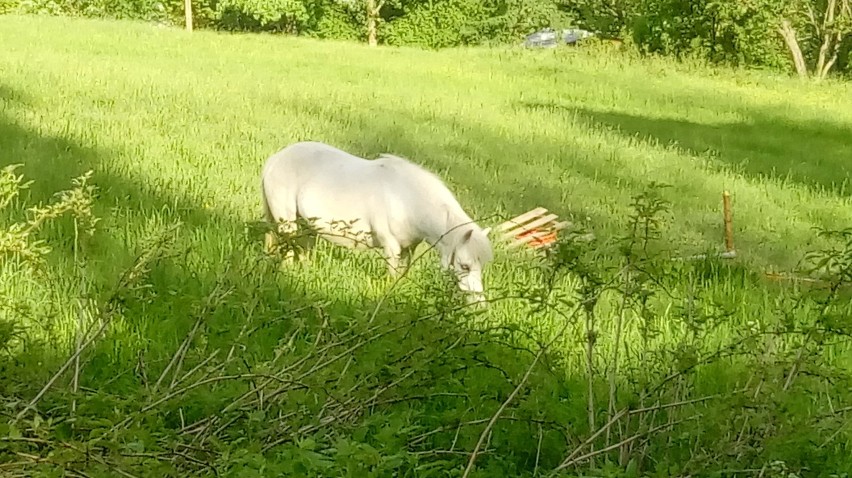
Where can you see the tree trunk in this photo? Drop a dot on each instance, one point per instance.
(836, 17)
(372, 19)
(786, 30)
(187, 11)
(827, 67)
(828, 20)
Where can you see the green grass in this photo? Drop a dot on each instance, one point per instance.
(176, 126)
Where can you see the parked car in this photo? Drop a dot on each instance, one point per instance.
(549, 38)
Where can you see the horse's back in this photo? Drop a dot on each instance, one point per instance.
(327, 166)
(306, 156)
(320, 180)
(322, 174)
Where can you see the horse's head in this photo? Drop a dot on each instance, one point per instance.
(469, 252)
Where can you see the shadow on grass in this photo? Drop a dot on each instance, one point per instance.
(208, 244)
(427, 367)
(813, 154)
(128, 209)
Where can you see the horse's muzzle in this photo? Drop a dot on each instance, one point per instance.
(477, 298)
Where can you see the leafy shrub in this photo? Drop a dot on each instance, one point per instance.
(511, 20)
(122, 9)
(204, 13)
(288, 16)
(724, 31)
(9, 6)
(336, 21)
(438, 24)
(447, 23)
(744, 33)
(610, 18)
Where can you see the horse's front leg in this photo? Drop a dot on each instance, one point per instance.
(392, 252)
(406, 256)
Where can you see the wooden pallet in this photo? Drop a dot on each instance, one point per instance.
(536, 228)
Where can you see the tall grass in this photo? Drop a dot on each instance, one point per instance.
(605, 358)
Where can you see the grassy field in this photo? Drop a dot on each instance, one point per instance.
(176, 126)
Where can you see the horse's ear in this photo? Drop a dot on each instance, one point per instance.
(486, 230)
(467, 235)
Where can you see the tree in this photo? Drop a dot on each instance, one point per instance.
(826, 23)
(609, 18)
(373, 14)
(187, 11)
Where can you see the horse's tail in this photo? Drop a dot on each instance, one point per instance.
(267, 213)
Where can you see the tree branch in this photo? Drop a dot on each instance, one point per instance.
(512, 396)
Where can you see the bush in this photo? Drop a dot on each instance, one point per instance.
(510, 20)
(441, 24)
(336, 21)
(9, 6)
(288, 16)
(204, 13)
(449, 23)
(151, 10)
(745, 34)
(730, 32)
(610, 18)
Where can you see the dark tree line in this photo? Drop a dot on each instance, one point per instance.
(810, 37)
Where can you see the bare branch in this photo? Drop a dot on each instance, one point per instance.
(209, 380)
(594, 436)
(615, 446)
(30, 406)
(514, 393)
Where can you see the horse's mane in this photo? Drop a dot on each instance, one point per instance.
(479, 243)
(400, 162)
(434, 183)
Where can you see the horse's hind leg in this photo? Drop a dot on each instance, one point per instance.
(305, 241)
(280, 212)
(270, 242)
(270, 239)
(288, 229)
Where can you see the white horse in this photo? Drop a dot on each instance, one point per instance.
(388, 203)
